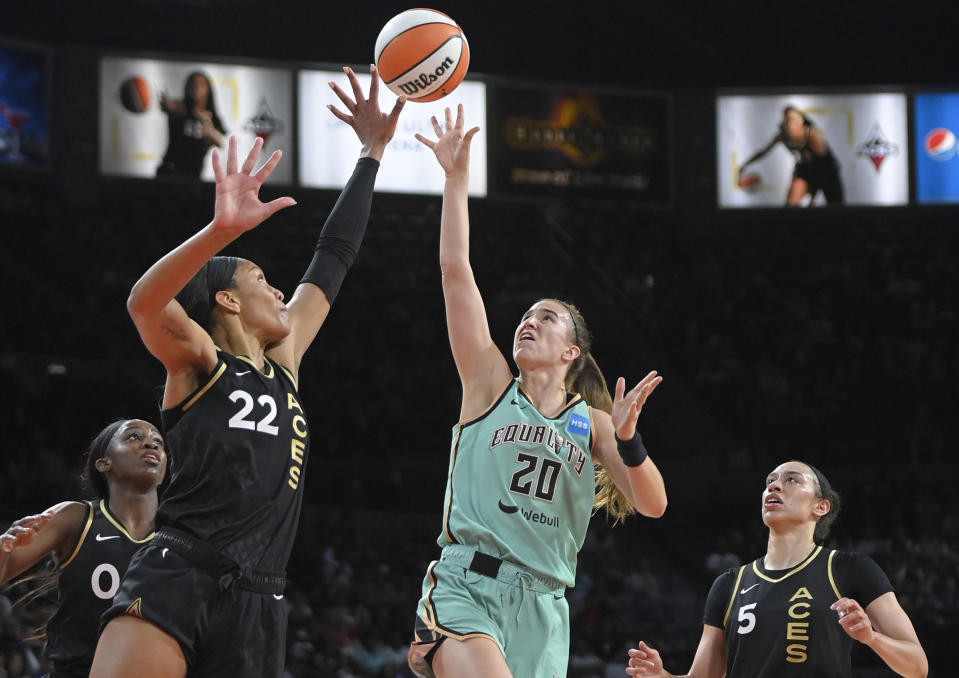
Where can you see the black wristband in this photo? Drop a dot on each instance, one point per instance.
(632, 451)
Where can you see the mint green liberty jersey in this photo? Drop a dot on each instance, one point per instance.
(521, 485)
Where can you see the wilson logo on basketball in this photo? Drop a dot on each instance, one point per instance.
(421, 53)
(424, 82)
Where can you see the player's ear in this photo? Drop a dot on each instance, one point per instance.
(228, 300)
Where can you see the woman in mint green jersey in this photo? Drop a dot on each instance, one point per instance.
(531, 457)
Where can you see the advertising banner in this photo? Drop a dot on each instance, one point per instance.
(550, 141)
(937, 165)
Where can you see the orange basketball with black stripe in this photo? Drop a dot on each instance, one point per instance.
(135, 94)
(422, 53)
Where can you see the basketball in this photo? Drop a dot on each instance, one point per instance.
(421, 53)
(135, 94)
(750, 182)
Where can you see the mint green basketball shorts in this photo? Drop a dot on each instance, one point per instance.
(469, 594)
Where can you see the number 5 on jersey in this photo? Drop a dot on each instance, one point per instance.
(747, 619)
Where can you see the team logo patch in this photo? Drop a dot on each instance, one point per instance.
(134, 608)
(578, 424)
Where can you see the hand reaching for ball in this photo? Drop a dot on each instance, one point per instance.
(452, 148)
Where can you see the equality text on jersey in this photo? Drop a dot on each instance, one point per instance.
(539, 434)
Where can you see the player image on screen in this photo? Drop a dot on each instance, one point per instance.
(816, 167)
(195, 127)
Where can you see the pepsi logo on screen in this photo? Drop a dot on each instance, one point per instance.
(940, 144)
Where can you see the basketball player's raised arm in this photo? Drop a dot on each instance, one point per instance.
(481, 365)
(166, 330)
(343, 232)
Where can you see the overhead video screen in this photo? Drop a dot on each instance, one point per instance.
(812, 149)
(24, 114)
(329, 147)
(553, 141)
(163, 118)
(936, 119)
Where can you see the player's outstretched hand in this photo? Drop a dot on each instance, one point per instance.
(627, 406)
(238, 207)
(452, 145)
(373, 127)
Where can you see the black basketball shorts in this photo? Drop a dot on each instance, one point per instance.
(229, 632)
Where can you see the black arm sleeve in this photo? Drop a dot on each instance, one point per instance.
(343, 231)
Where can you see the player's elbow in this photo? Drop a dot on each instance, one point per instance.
(453, 265)
(653, 509)
(135, 305)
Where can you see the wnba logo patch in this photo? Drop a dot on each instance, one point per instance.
(940, 144)
(578, 424)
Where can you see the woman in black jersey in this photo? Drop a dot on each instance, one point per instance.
(798, 610)
(816, 167)
(91, 541)
(194, 127)
(206, 597)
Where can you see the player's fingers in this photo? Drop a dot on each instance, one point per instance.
(649, 377)
(252, 155)
(423, 140)
(25, 522)
(354, 83)
(217, 167)
(449, 118)
(374, 84)
(620, 389)
(231, 156)
(344, 97)
(397, 107)
(648, 651)
(436, 125)
(275, 206)
(468, 139)
(268, 166)
(348, 119)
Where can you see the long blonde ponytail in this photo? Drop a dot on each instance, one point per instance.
(586, 378)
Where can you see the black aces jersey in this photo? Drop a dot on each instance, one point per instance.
(87, 580)
(778, 623)
(239, 445)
